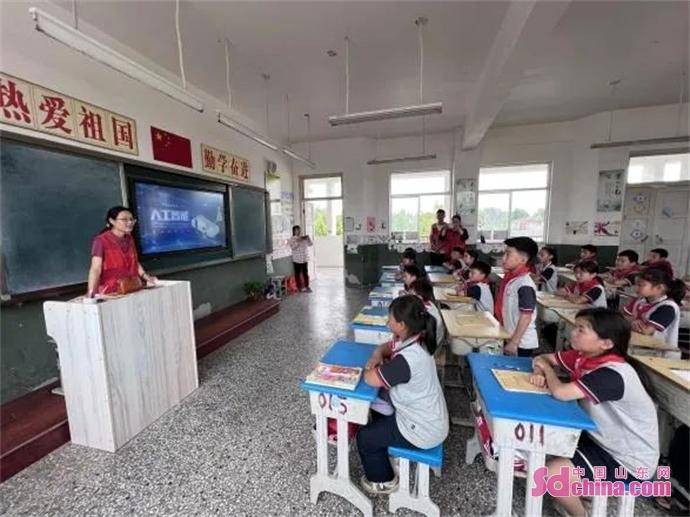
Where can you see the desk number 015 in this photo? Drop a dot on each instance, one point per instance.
(326, 400)
(528, 432)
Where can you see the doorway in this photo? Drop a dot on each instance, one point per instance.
(322, 212)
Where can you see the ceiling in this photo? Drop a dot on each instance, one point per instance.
(642, 43)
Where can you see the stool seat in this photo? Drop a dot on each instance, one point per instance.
(432, 457)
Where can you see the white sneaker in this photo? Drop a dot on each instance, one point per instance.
(380, 488)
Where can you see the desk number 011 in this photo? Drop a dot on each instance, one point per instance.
(527, 432)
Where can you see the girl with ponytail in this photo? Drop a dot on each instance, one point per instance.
(406, 370)
(656, 311)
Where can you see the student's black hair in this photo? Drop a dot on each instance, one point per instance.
(441, 211)
(482, 267)
(588, 266)
(296, 227)
(554, 254)
(631, 255)
(473, 253)
(456, 216)
(589, 247)
(457, 248)
(423, 288)
(609, 324)
(112, 213)
(524, 245)
(663, 253)
(414, 270)
(675, 289)
(410, 310)
(409, 253)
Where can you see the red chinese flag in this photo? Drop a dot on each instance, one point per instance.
(171, 148)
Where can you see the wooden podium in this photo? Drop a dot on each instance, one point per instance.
(124, 362)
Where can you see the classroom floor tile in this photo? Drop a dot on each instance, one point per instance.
(242, 443)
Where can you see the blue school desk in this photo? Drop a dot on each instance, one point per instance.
(383, 295)
(435, 269)
(344, 406)
(388, 277)
(372, 334)
(533, 424)
(390, 268)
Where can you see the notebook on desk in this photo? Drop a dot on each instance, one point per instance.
(345, 377)
(512, 380)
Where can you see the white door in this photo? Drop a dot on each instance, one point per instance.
(322, 209)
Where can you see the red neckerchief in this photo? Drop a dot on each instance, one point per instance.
(584, 364)
(509, 275)
(646, 307)
(621, 274)
(397, 345)
(583, 287)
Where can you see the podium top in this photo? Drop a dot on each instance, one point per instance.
(104, 298)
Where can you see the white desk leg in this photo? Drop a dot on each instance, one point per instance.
(346, 488)
(533, 504)
(504, 491)
(320, 480)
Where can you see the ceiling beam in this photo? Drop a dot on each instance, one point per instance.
(525, 29)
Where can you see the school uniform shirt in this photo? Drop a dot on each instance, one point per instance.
(592, 290)
(518, 295)
(663, 315)
(300, 253)
(440, 326)
(618, 404)
(549, 276)
(415, 391)
(481, 292)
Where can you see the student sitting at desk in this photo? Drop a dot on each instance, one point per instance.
(408, 258)
(587, 252)
(469, 258)
(547, 276)
(516, 297)
(477, 286)
(406, 368)
(410, 274)
(588, 288)
(656, 311)
(611, 392)
(423, 289)
(455, 262)
(658, 258)
(626, 270)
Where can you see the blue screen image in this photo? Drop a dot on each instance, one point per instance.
(178, 219)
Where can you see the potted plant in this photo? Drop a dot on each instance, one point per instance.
(254, 290)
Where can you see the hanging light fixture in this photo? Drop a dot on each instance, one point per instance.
(415, 110)
(79, 41)
(228, 121)
(420, 23)
(287, 149)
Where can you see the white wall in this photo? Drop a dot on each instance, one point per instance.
(566, 145)
(30, 55)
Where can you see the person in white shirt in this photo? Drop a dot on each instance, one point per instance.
(299, 245)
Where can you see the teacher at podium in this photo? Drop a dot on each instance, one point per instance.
(115, 266)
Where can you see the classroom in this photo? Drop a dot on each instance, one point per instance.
(341, 257)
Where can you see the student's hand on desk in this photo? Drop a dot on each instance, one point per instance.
(537, 379)
(637, 326)
(539, 364)
(510, 348)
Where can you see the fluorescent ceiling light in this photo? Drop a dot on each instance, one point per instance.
(77, 40)
(401, 112)
(403, 159)
(244, 130)
(293, 154)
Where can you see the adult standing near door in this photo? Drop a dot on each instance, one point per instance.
(299, 245)
(437, 238)
(456, 235)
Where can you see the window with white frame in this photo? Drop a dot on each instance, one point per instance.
(414, 199)
(659, 168)
(512, 201)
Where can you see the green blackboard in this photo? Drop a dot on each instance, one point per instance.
(53, 204)
(248, 216)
